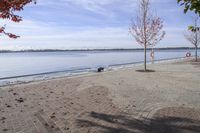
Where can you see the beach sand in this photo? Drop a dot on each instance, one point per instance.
(121, 101)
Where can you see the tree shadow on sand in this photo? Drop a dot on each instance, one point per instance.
(147, 71)
(123, 124)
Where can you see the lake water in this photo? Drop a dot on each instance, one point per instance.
(31, 63)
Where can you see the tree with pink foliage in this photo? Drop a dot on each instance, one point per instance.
(147, 29)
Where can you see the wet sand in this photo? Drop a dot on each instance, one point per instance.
(123, 101)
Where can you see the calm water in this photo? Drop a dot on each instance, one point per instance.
(27, 63)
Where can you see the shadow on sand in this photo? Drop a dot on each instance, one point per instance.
(123, 124)
(147, 71)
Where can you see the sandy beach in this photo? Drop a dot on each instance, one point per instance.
(123, 101)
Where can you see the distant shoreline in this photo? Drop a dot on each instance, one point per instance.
(73, 50)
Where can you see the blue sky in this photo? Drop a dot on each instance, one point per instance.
(74, 24)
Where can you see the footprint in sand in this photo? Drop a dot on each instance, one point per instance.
(10, 90)
(8, 106)
(15, 94)
(3, 118)
(52, 116)
(5, 130)
(20, 100)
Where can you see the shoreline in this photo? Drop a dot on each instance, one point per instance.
(25, 79)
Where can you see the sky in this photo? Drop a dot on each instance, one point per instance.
(90, 24)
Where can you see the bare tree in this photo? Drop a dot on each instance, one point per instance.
(147, 29)
(193, 36)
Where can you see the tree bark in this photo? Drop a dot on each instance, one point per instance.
(196, 39)
(196, 54)
(145, 58)
(146, 4)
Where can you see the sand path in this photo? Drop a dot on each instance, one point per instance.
(123, 101)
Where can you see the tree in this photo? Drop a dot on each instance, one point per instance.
(7, 9)
(147, 29)
(193, 36)
(193, 5)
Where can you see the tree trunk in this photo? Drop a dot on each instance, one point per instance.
(145, 58)
(196, 53)
(196, 39)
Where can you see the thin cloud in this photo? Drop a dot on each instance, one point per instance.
(70, 24)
